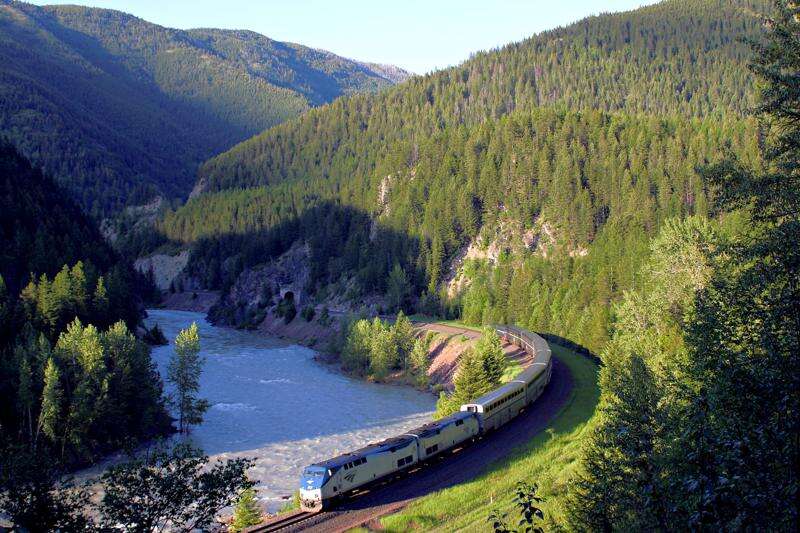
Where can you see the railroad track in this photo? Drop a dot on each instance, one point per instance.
(281, 522)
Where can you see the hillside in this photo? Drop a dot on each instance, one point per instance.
(676, 57)
(563, 150)
(118, 109)
(40, 228)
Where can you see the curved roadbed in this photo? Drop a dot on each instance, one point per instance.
(449, 470)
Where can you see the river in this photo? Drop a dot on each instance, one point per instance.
(272, 402)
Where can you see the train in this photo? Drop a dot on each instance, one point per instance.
(325, 483)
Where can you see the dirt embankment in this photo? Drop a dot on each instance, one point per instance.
(449, 345)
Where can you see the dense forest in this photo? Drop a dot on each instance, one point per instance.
(697, 427)
(469, 153)
(90, 95)
(75, 380)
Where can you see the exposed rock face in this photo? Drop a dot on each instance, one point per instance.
(508, 236)
(259, 289)
(166, 268)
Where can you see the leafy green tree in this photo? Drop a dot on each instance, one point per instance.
(184, 371)
(176, 488)
(36, 496)
(383, 355)
(247, 511)
(358, 346)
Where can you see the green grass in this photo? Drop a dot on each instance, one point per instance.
(512, 369)
(549, 460)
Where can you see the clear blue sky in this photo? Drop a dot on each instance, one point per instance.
(418, 35)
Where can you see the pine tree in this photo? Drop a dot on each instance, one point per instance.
(489, 351)
(183, 372)
(52, 394)
(25, 394)
(247, 512)
(403, 335)
(469, 384)
(419, 359)
(100, 299)
(397, 288)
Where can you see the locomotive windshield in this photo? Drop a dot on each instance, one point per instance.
(314, 477)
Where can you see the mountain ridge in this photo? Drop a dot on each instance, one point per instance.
(101, 99)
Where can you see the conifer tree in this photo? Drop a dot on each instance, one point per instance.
(52, 394)
(403, 336)
(25, 393)
(489, 351)
(184, 371)
(469, 384)
(247, 511)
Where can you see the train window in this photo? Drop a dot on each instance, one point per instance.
(409, 459)
(432, 449)
(459, 422)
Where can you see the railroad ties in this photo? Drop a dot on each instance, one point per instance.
(281, 522)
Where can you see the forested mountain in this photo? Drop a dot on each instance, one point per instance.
(118, 109)
(582, 140)
(74, 378)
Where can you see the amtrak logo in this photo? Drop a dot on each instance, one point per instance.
(350, 477)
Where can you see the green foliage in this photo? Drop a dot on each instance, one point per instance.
(398, 288)
(418, 359)
(52, 396)
(286, 308)
(247, 512)
(138, 90)
(308, 313)
(154, 336)
(480, 370)
(183, 372)
(568, 131)
(527, 502)
(489, 350)
(470, 383)
(158, 488)
(177, 487)
(376, 348)
(703, 368)
(35, 496)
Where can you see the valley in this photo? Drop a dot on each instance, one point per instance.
(241, 256)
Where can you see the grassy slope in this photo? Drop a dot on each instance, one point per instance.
(548, 460)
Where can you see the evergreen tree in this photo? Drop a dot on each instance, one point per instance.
(52, 395)
(25, 393)
(184, 371)
(469, 384)
(489, 351)
(403, 338)
(419, 361)
(247, 511)
(397, 288)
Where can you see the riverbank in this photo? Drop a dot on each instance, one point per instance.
(448, 343)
